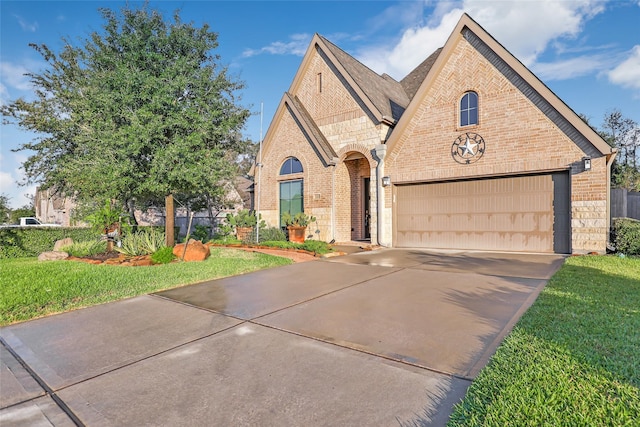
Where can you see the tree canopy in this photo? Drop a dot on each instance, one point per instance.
(623, 133)
(135, 112)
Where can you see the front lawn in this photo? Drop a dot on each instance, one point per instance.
(31, 288)
(573, 359)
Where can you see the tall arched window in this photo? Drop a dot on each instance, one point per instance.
(469, 109)
(291, 191)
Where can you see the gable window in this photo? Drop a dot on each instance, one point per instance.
(291, 165)
(469, 109)
(291, 192)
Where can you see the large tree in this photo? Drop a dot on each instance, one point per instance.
(623, 133)
(137, 111)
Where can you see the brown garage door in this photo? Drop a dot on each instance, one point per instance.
(524, 213)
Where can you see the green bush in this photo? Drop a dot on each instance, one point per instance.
(316, 246)
(270, 234)
(32, 241)
(626, 233)
(201, 233)
(142, 242)
(86, 248)
(163, 256)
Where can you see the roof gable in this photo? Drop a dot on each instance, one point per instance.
(519, 75)
(318, 142)
(383, 97)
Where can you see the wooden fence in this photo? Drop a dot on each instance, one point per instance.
(625, 203)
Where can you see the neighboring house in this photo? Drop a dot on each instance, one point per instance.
(54, 208)
(469, 151)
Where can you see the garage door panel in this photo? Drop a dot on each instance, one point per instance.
(526, 213)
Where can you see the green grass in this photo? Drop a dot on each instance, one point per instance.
(573, 359)
(31, 288)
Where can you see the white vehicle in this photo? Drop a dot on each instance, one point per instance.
(29, 221)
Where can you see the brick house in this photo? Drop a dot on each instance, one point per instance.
(469, 151)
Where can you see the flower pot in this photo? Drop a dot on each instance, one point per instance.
(243, 232)
(296, 233)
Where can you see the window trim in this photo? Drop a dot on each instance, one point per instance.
(462, 111)
(289, 181)
(290, 172)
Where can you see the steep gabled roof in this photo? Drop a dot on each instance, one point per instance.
(382, 96)
(519, 75)
(309, 127)
(383, 91)
(291, 104)
(411, 83)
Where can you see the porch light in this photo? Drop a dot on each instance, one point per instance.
(587, 163)
(386, 181)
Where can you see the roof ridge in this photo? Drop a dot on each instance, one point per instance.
(386, 93)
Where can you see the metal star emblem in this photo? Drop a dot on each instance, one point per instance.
(468, 148)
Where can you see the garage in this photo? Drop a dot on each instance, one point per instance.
(529, 213)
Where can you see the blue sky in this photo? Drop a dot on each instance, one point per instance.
(586, 51)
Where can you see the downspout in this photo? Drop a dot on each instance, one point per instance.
(380, 151)
(610, 158)
(333, 203)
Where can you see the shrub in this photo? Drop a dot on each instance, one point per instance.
(163, 256)
(142, 242)
(626, 233)
(270, 234)
(316, 246)
(300, 219)
(201, 233)
(86, 248)
(244, 218)
(32, 241)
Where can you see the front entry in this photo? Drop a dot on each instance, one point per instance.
(367, 208)
(353, 211)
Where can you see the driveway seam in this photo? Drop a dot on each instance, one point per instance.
(359, 350)
(48, 391)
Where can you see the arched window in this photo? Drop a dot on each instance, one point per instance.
(291, 192)
(469, 109)
(291, 165)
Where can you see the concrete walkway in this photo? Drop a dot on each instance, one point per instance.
(390, 337)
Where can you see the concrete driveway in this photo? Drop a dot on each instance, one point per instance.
(390, 337)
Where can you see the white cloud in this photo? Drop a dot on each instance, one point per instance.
(571, 68)
(627, 73)
(9, 185)
(297, 45)
(525, 28)
(4, 96)
(17, 195)
(31, 27)
(13, 75)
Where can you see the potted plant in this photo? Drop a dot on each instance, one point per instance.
(243, 222)
(297, 225)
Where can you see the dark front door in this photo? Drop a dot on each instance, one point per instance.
(367, 209)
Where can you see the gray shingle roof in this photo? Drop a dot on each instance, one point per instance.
(411, 83)
(385, 93)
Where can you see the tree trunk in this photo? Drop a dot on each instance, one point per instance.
(169, 223)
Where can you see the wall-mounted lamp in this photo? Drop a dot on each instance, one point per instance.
(386, 181)
(587, 163)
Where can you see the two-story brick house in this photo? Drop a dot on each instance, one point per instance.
(469, 151)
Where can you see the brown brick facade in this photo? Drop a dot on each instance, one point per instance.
(524, 133)
(519, 139)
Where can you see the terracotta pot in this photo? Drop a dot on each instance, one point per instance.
(296, 233)
(243, 232)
